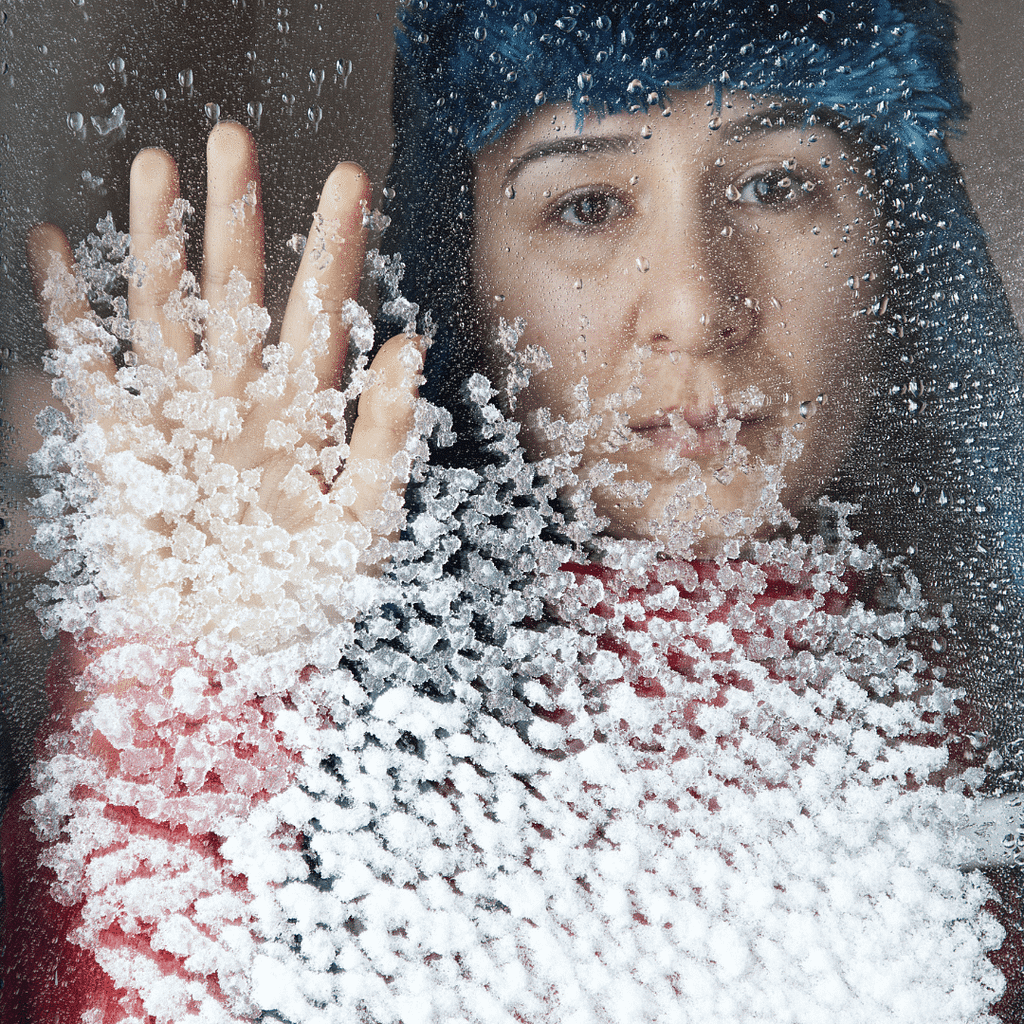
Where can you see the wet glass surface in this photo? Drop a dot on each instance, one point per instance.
(677, 620)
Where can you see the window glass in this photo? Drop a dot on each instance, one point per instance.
(635, 635)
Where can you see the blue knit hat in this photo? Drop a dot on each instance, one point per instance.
(945, 444)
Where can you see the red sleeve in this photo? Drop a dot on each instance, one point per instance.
(1009, 958)
(136, 791)
(46, 979)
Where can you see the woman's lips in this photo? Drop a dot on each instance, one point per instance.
(699, 430)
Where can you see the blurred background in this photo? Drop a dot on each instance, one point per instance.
(87, 83)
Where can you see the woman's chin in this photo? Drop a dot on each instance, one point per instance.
(714, 523)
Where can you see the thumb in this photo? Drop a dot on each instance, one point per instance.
(373, 481)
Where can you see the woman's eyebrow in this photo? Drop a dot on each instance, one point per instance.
(578, 145)
(787, 117)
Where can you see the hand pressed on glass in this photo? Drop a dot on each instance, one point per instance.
(233, 458)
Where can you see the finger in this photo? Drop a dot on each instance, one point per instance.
(51, 267)
(233, 238)
(332, 264)
(61, 302)
(154, 188)
(373, 481)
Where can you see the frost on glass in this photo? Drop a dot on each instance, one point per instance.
(535, 788)
(476, 758)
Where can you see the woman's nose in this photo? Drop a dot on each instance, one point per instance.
(696, 295)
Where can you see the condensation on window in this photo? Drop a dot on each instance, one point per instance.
(635, 636)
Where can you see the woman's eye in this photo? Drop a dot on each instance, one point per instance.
(773, 189)
(590, 209)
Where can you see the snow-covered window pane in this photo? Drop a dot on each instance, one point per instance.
(634, 636)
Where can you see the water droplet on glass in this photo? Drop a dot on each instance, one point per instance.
(541, 98)
(715, 123)
(805, 409)
(212, 111)
(99, 89)
(635, 86)
(389, 193)
(480, 33)
(646, 132)
(160, 95)
(720, 162)
(510, 192)
(643, 264)
(314, 115)
(255, 111)
(603, 22)
(117, 65)
(827, 16)
(825, 161)
(530, 17)
(746, 49)
(565, 24)
(661, 53)
(732, 193)
(815, 230)
(499, 298)
(979, 739)
(185, 80)
(250, 56)
(727, 231)
(577, 284)
(583, 80)
(76, 121)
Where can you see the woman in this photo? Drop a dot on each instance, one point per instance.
(756, 313)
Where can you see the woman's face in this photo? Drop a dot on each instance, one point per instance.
(702, 285)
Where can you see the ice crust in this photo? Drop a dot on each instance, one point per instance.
(151, 528)
(496, 782)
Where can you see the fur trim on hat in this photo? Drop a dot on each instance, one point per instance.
(481, 65)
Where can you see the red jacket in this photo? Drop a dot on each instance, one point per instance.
(50, 978)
